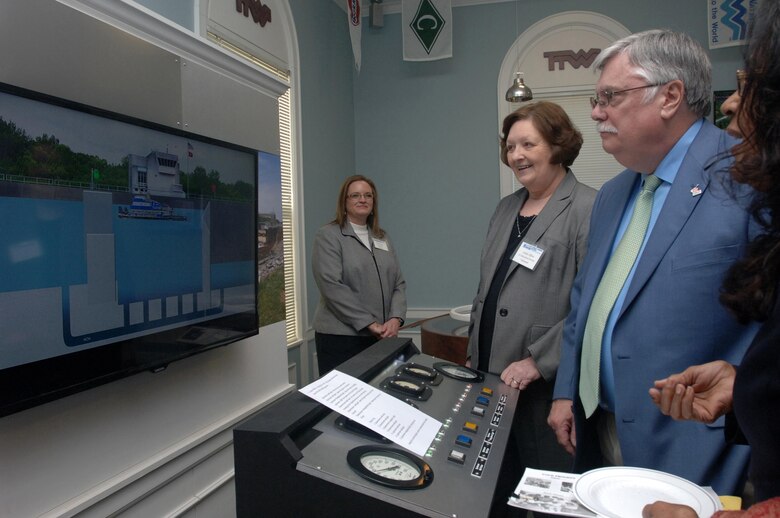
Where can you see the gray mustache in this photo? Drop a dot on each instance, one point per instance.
(603, 127)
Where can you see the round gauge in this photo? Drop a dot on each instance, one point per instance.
(390, 467)
(459, 372)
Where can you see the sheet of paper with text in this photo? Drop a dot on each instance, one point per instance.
(374, 409)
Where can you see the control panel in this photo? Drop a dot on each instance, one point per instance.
(456, 477)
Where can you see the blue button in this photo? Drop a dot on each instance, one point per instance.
(463, 440)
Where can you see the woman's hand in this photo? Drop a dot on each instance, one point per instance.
(376, 329)
(390, 328)
(521, 374)
(667, 510)
(701, 392)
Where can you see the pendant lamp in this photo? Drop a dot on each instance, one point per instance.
(519, 91)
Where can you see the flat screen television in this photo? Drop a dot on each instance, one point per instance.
(124, 246)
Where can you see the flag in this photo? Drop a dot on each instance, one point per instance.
(353, 19)
(427, 29)
(190, 150)
(728, 21)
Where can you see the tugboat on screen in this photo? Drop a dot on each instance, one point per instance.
(143, 207)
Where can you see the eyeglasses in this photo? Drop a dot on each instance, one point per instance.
(604, 97)
(355, 196)
(741, 80)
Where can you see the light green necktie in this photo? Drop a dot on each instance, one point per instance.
(607, 292)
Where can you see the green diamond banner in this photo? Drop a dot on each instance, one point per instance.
(427, 26)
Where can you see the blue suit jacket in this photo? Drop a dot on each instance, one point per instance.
(671, 317)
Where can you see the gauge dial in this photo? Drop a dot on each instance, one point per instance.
(402, 386)
(390, 467)
(407, 386)
(453, 370)
(419, 371)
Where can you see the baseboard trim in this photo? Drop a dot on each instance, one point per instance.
(196, 500)
(132, 485)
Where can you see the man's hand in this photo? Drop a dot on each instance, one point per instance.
(700, 393)
(561, 420)
(667, 510)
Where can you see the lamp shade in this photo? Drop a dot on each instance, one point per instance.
(519, 91)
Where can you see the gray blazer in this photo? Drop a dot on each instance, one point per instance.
(532, 305)
(357, 286)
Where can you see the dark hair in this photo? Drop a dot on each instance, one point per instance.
(553, 125)
(750, 287)
(341, 205)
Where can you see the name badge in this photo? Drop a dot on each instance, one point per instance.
(528, 255)
(381, 244)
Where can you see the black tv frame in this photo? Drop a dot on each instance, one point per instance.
(34, 383)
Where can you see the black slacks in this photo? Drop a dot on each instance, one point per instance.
(333, 350)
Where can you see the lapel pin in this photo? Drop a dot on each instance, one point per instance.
(695, 190)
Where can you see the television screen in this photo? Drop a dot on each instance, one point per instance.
(124, 245)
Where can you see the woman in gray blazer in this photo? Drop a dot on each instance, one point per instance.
(362, 291)
(535, 243)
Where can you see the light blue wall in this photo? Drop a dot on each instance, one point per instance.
(426, 132)
(327, 111)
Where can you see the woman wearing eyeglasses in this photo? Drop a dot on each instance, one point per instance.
(535, 243)
(362, 290)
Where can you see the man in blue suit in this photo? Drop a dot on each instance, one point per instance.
(651, 99)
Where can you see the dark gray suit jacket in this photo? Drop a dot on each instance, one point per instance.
(533, 304)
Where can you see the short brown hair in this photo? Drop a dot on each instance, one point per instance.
(553, 124)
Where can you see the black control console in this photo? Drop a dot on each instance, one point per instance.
(297, 458)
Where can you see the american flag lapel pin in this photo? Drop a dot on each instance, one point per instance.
(695, 190)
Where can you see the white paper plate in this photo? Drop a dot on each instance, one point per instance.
(622, 492)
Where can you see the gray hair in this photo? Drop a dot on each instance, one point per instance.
(662, 56)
